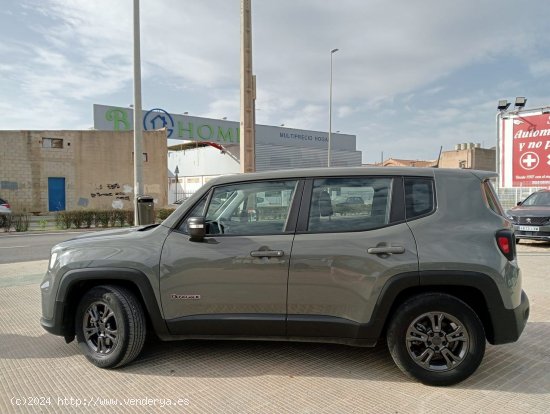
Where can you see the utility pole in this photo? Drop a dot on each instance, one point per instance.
(332, 52)
(248, 93)
(138, 131)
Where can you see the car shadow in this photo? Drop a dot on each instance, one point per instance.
(15, 346)
(518, 367)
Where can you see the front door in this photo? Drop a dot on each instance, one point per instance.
(234, 282)
(56, 193)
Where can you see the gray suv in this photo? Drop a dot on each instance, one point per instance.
(427, 261)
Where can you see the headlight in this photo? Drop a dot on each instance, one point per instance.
(53, 258)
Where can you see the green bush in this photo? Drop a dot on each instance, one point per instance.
(77, 218)
(129, 217)
(163, 213)
(88, 217)
(6, 222)
(118, 218)
(352, 209)
(20, 221)
(64, 219)
(95, 218)
(102, 217)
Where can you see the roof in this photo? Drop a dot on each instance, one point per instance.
(346, 171)
(326, 172)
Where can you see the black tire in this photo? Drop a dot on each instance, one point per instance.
(436, 338)
(115, 323)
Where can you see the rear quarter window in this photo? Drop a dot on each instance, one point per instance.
(419, 197)
(491, 198)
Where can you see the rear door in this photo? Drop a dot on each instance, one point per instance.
(344, 252)
(234, 282)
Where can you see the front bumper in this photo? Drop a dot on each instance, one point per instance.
(57, 325)
(543, 233)
(508, 324)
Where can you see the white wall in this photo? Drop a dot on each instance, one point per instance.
(196, 166)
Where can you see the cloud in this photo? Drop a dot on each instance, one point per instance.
(540, 68)
(408, 75)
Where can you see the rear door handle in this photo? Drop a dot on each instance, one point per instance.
(267, 253)
(386, 250)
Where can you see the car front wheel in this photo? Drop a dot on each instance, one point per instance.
(110, 326)
(436, 338)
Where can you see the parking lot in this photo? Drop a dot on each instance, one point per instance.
(40, 373)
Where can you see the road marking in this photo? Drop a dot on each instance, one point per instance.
(13, 247)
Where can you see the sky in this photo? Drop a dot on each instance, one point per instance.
(409, 76)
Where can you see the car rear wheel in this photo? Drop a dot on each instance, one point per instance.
(110, 326)
(436, 338)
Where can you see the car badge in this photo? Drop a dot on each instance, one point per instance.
(184, 297)
(528, 220)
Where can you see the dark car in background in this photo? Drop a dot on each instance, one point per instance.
(531, 217)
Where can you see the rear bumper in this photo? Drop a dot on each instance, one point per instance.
(508, 324)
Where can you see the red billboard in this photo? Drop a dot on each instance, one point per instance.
(525, 150)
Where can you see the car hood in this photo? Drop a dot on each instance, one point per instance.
(530, 211)
(136, 248)
(109, 234)
(106, 236)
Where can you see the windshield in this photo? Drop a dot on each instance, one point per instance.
(537, 199)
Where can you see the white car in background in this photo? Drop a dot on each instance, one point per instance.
(5, 211)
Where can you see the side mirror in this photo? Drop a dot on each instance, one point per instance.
(196, 228)
(519, 203)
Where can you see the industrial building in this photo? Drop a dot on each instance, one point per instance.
(42, 171)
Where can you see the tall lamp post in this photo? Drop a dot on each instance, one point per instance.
(502, 106)
(138, 128)
(176, 171)
(332, 52)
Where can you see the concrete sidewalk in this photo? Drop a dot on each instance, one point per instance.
(40, 373)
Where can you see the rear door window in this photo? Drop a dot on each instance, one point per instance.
(350, 204)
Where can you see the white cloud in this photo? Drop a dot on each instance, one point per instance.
(402, 68)
(540, 68)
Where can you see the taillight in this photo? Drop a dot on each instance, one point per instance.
(506, 243)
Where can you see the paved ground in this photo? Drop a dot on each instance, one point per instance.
(27, 246)
(40, 373)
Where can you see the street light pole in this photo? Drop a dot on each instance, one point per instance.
(332, 52)
(138, 130)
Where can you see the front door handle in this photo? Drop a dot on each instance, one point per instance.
(267, 253)
(386, 250)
